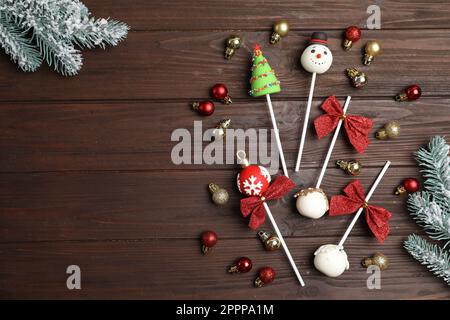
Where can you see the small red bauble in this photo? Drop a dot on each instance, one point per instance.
(220, 92)
(209, 240)
(409, 185)
(265, 275)
(413, 92)
(205, 108)
(253, 180)
(352, 34)
(242, 265)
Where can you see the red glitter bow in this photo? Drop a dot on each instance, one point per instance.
(357, 127)
(377, 218)
(254, 205)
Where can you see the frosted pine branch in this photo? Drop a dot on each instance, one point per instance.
(100, 32)
(434, 217)
(435, 164)
(431, 255)
(15, 43)
(56, 26)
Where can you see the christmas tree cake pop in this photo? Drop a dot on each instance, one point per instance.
(264, 82)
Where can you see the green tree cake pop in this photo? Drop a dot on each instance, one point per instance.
(264, 82)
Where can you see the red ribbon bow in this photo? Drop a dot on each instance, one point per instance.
(255, 205)
(357, 127)
(377, 218)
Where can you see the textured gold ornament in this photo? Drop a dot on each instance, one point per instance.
(359, 79)
(221, 129)
(351, 167)
(271, 242)
(391, 130)
(378, 259)
(219, 195)
(280, 29)
(372, 49)
(233, 43)
(258, 283)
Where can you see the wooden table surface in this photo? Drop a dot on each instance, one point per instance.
(87, 178)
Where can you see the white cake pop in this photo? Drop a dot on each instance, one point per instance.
(317, 57)
(331, 260)
(312, 202)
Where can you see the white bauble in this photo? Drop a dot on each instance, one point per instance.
(331, 260)
(312, 203)
(316, 58)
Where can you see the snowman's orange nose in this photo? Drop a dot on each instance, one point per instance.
(318, 56)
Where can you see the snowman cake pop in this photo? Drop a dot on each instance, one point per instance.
(316, 59)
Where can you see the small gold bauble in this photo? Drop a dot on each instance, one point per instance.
(372, 49)
(378, 259)
(359, 79)
(392, 129)
(219, 195)
(280, 29)
(233, 43)
(271, 242)
(352, 167)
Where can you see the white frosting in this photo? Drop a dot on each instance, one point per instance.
(316, 58)
(331, 260)
(312, 205)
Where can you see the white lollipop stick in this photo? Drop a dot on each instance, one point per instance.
(277, 135)
(305, 122)
(371, 191)
(283, 244)
(333, 141)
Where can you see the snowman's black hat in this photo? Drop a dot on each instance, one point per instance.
(319, 38)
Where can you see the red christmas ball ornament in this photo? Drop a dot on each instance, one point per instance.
(242, 265)
(220, 92)
(409, 185)
(352, 34)
(205, 108)
(209, 240)
(253, 180)
(413, 92)
(265, 275)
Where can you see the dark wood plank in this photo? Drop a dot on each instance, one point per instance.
(107, 205)
(184, 65)
(233, 15)
(137, 136)
(175, 269)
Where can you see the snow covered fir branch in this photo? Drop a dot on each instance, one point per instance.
(54, 31)
(431, 208)
(436, 259)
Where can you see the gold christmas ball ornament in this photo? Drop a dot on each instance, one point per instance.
(219, 195)
(271, 242)
(358, 78)
(378, 259)
(221, 129)
(233, 43)
(372, 49)
(391, 130)
(351, 167)
(280, 29)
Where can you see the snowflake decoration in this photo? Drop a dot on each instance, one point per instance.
(252, 187)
